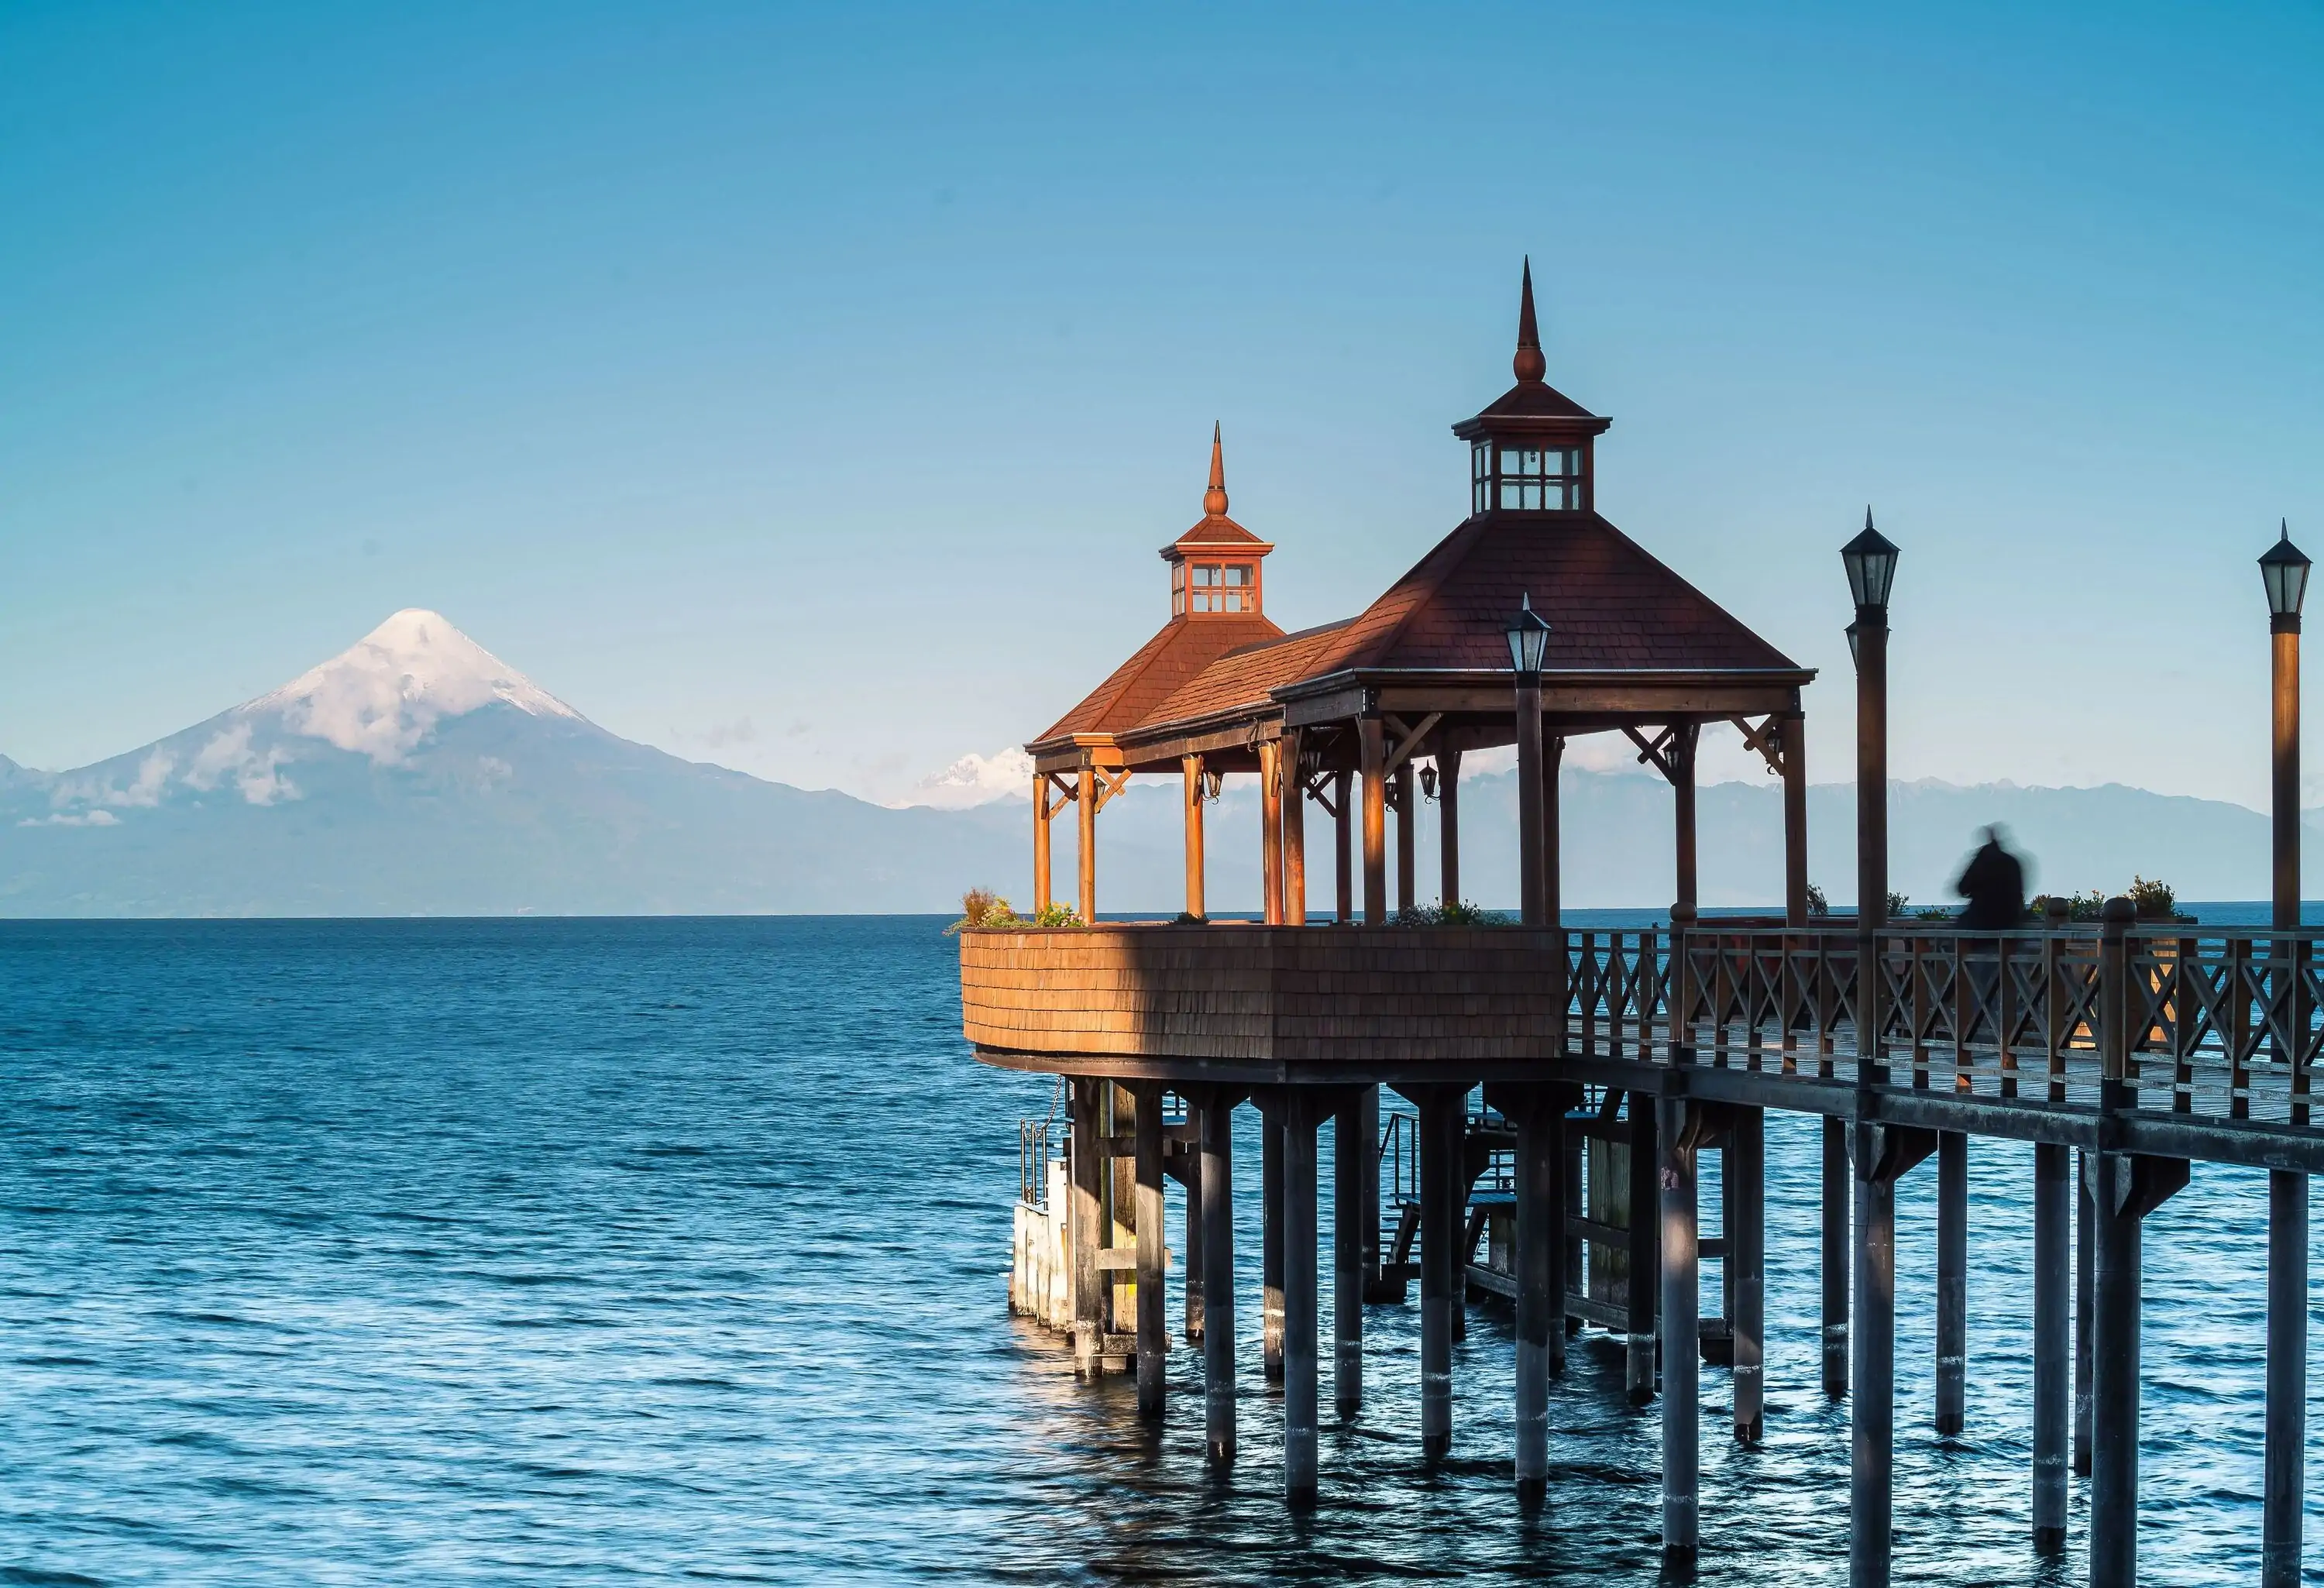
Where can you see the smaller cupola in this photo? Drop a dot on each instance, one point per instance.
(1530, 450)
(1214, 566)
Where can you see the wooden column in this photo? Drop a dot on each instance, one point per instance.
(1645, 1263)
(1193, 766)
(1747, 1262)
(1540, 1185)
(1294, 833)
(1683, 737)
(1343, 821)
(2287, 1378)
(1952, 1279)
(1440, 1140)
(1368, 1213)
(1086, 798)
(1270, 828)
(1407, 828)
(1532, 860)
(1218, 1276)
(1872, 1410)
(1040, 842)
(1351, 1148)
(1552, 885)
(1191, 1260)
(2086, 1235)
(1838, 1195)
(1796, 821)
(1371, 749)
(1448, 826)
(1299, 1300)
(2052, 1343)
(1084, 1224)
(1681, 1287)
(2127, 1188)
(1153, 1325)
(1270, 1239)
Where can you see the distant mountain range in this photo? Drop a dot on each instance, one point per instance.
(417, 774)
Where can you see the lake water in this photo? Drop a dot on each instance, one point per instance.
(584, 1253)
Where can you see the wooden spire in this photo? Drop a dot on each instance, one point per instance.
(1214, 500)
(1529, 365)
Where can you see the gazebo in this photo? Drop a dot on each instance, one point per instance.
(1346, 715)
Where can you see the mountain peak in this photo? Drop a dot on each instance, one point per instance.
(384, 693)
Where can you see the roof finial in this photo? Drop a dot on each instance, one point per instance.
(1214, 500)
(2283, 529)
(1868, 517)
(1529, 364)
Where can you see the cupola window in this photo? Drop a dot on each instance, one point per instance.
(1524, 478)
(1215, 586)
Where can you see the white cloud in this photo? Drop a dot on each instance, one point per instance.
(95, 818)
(152, 777)
(228, 756)
(976, 779)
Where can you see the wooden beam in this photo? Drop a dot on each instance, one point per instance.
(1042, 811)
(1270, 831)
(1194, 795)
(1408, 738)
(1295, 832)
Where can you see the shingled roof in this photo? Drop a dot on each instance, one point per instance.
(1161, 667)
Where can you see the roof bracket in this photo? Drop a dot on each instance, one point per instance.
(1408, 740)
(1659, 753)
(1768, 739)
(1110, 781)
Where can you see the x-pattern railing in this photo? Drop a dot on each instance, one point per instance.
(2205, 1022)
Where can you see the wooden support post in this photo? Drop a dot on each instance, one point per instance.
(1040, 842)
(1083, 1230)
(1294, 833)
(1794, 730)
(1270, 829)
(1153, 1325)
(1645, 1269)
(2052, 1343)
(1368, 1213)
(1952, 1279)
(1440, 1141)
(2086, 1235)
(1883, 1155)
(2287, 1377)
(1371, 748)
(1351, 1148)
(1570, 1268)
(2127, 1188)
(1086, 810)
(1532, 831)
(1191, 1260)
(1299, 1304)
(1837, 1193)
(1193, 766)
(1540, 1185)
(1343, 821)
(1684, 738)
(1746, 1260)
(1682, 1286)
(1270, 1239)
(1218, 1274)
(1448, 827)
(1553, 872)
(1408, 835)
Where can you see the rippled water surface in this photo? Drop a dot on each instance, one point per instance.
(581, 1252)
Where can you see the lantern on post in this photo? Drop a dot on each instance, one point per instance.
(1870, 560)
(2283, 572)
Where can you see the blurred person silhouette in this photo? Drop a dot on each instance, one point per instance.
(1994, 883)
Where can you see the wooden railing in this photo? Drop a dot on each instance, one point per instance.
(2224, 1024)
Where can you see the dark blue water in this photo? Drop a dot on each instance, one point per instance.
(580, 1252)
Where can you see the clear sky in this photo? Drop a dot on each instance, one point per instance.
(809, 389)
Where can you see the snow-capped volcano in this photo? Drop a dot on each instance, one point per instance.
(386, 692)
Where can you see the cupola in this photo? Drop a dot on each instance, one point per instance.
(1214, 566)
(1530, 450)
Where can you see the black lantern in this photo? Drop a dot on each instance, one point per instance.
(1871, 563)
(2284, 572)
(1528, 635)
(1428, 781)
(1854, 655)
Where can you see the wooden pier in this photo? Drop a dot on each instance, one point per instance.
(1562, 1085)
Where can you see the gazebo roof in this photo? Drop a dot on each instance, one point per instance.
(1164, 665)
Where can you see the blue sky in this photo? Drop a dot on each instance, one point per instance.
(808, 390)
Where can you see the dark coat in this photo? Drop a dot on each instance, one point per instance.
(1994, 883)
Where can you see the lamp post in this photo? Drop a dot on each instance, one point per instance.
(1528, 637)
(1871, 1335)
(2284, 571)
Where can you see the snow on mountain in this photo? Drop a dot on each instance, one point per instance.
(384, 694)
